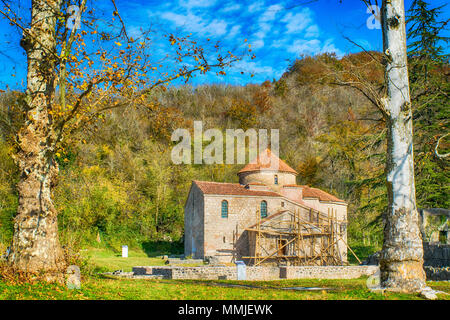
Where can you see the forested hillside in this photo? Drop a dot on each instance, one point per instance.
(118, 185)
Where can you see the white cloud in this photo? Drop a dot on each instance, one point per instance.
(330, 47)
(216, 27)
(231, 7)
(256, 6)
(297, 22)
(135, 32)
(260, 34)
(250, 66)
(197, 3)
(270, 13)
(233, 31)
(312, 31)
(279, 43)
(195, 23)
(275, 34)
(313, 46)
(302, 46)
(364, 43)
(257, 44)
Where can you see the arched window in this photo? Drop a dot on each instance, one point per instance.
(263, 209)
(276, 179)
(224, 209)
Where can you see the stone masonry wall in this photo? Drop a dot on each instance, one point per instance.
(436, 255)
(259, 273)
(267, 178)
(221, 233)
(437, 274)
(326, 272)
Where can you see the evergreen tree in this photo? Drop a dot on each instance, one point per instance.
(428, 64)
(424, 32)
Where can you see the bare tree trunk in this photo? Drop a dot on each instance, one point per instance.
(36, 246)
(401, 260)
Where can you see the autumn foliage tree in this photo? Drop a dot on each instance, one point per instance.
(78, 69)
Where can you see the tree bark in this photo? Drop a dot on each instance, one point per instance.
(36, 246)
(401, 261)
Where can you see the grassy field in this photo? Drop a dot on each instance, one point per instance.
(107, 260)
(106, 289)
(102, 288)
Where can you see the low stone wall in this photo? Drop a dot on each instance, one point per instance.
(166, 271)
(436, 254)
(205, 273)
(326, 272)
(437, 274)
(258, 273)
(262, 273)
(197, 273)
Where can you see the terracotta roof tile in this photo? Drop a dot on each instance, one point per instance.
(257, 165)
(309, 192)
(222, 188)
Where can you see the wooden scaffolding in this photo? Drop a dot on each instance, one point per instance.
(300, 237)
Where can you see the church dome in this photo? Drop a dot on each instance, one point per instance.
(268, 169)
(266, 160)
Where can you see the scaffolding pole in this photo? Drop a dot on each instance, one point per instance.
(292, 238)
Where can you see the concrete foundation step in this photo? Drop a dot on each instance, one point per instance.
(132, 275)
(173, 261)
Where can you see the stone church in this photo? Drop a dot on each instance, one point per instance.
(266, 218)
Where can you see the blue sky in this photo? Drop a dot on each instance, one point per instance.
(278, 31)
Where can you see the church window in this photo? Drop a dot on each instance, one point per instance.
(443, 236)
(263, 209)
(224, 209)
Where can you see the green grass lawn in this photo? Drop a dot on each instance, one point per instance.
(108, 260)
(102, 288)
(99, 288)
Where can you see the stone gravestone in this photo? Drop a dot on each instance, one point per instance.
(73, 277)
(124, 251)
(373, 283)
(241, 274)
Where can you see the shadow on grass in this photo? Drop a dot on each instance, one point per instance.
(157, 248)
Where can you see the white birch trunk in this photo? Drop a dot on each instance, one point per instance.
(401, 260)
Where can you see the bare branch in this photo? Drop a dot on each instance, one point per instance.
(360, 46)
(116, 12)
